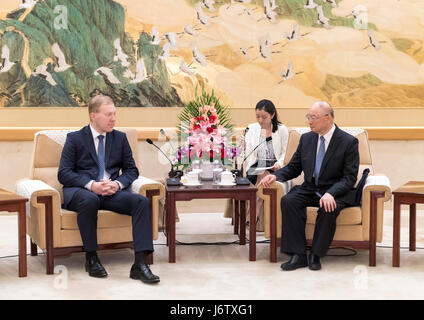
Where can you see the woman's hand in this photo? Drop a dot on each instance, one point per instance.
(276, 167)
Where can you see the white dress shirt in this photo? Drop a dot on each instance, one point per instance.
(106, 175)
(327, 138)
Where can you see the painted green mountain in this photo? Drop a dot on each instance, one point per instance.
(85, 31)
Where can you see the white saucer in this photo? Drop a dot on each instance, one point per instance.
(227, 185)
(192, 184)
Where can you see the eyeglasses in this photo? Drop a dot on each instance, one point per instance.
(314, 118)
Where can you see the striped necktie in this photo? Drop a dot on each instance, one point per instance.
(101, 158)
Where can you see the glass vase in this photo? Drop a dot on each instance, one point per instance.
(207, 170)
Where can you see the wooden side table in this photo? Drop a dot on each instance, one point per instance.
(410, 193)
(13, 203)
(210, 191)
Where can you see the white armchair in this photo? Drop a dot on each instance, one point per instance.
(55, 230)
(355, 228)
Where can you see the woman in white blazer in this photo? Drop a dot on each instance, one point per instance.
(270, 137)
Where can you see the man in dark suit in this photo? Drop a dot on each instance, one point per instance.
(329, 159)
(96, 168)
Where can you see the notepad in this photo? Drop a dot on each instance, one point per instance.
(263, 168)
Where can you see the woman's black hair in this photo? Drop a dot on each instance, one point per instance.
(269, 107)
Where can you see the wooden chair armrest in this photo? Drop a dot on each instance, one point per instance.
(42, 199)
(151, 189)
(378, 183)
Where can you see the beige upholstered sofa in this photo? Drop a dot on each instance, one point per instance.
(63, 236)
(353, 223)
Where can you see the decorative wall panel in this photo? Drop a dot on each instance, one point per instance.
(153, 53)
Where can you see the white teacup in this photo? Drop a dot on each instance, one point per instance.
(197, 171)
(227, 177)
(192, 177)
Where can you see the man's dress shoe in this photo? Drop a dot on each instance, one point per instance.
(314, 262)
(95, 268)
(295, 262)
(141, 271)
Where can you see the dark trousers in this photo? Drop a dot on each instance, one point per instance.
(293, 209)
(87, 204)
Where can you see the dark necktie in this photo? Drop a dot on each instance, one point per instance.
(101, 158)
(319, 158)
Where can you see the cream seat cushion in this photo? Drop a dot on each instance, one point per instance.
(348, 216)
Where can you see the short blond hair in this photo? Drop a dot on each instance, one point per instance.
(97, 101)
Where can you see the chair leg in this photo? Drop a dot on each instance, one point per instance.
(273, 250)
(33, 249)
(47, 201)
(373, 227)
(49, 262)
(273, 223)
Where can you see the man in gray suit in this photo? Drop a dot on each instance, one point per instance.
(329, 159)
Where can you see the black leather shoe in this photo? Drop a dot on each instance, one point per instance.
(296, 261)
(95, 268)
(314, 262)
(141, 271)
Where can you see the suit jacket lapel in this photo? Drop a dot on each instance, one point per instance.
(332, 147)
(313, 149)
(89, 142)
(108, 147)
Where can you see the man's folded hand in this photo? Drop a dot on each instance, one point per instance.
(105, 187)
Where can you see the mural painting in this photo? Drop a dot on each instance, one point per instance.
(144, 53)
